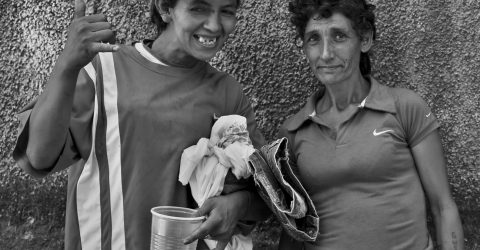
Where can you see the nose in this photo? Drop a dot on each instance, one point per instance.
(327, 51)
(213, 23)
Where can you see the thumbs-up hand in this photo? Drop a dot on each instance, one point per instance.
(87, 36)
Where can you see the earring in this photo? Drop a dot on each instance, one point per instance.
(166, 17)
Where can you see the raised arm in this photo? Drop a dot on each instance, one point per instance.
(430, 161)
(49, 120)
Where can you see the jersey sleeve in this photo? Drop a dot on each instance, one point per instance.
(242, 106)
(416, 117)
(78, 142)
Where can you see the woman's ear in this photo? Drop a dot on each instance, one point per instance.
(166, 17)
(366, 42)
(165, 14)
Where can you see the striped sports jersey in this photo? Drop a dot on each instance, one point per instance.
(130, 122)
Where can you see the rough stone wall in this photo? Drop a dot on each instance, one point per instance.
(430, 46)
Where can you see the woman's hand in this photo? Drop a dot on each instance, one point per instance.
(87, 36)
(223, 213)
(51, 116)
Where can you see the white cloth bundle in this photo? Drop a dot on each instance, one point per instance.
(205, 165)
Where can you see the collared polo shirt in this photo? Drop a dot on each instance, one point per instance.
(362, 177)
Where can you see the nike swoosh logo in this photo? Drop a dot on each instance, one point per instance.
(428, 114)
(375, 133)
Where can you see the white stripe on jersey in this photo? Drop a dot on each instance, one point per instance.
(88, 189)
(144, 52)
(113, 150)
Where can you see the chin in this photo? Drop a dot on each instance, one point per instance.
(330, 79)
(205, 56)
(327, 80)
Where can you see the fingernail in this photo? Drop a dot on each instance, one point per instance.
(116, 48)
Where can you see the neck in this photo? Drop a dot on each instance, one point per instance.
(340, 96)
(167, 52)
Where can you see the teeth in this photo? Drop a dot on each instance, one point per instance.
(207, 41)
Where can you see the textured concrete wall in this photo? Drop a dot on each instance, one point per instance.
(430, 46)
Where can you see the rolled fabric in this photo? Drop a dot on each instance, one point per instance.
(282, 191)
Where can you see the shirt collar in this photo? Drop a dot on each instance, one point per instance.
(378, 98)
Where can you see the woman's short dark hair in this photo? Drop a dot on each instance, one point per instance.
(359, 12)
(155, 16)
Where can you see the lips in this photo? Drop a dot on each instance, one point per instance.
(207, 41)
(329, 67)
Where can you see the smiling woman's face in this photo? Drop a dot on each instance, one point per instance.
(333, 48)
(201, 27)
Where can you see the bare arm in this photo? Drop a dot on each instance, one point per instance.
(431, 165)
(50, 118)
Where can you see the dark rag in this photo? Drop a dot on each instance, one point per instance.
(282, 191)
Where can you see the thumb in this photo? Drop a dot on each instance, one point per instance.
(205, 208)
(80, 8)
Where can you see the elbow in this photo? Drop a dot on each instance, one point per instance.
(445, 206)
(38, 159)
(26, 165)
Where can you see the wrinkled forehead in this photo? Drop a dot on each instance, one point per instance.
(335, 21)
(235, 3)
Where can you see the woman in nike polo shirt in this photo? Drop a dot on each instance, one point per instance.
(120, 116)
(368, 155)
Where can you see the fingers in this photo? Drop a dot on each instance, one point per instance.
(80, 8)
(99, 26)
(202, 231)
(104, 47)
(95, 32)
(95, 18)
(219, 224)
(205, 208)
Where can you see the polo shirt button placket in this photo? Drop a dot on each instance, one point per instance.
(340, 141)
(333, 134)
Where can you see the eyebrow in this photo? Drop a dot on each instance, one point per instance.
(311, 32)
(335, 29)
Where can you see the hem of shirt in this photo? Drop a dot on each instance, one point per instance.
(20, 155)
(427, 132)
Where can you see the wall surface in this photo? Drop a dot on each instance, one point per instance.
(430, 46)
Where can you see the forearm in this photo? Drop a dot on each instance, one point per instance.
(50, 118)
(431, 165)
(449, 228)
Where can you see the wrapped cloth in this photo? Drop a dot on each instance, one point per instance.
(219, 165)
(282, 191)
